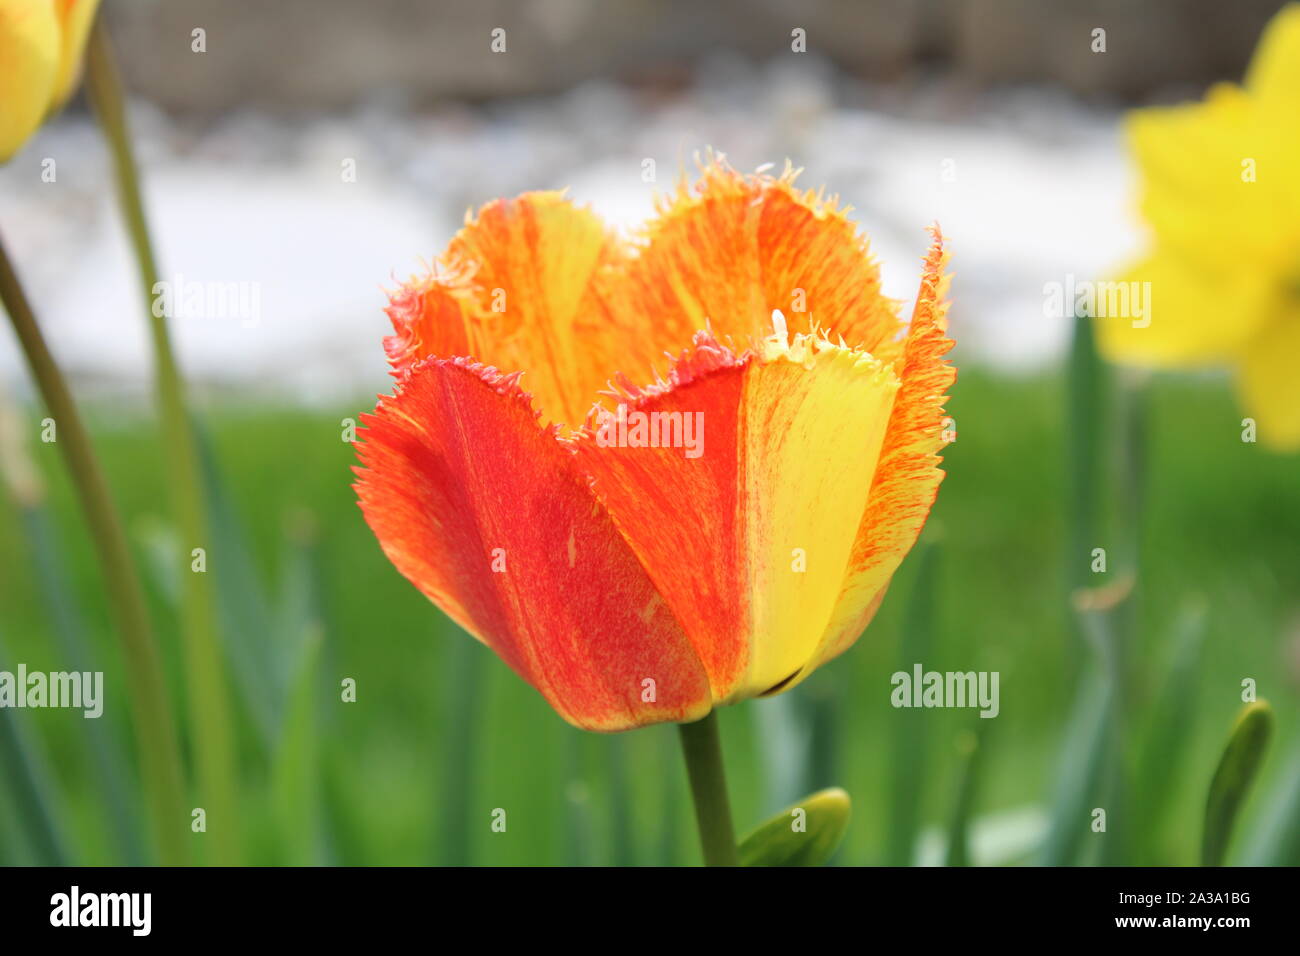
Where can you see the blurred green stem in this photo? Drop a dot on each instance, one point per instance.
(1085, 423)
(205, 672)
(620, 825)
(702, 748)
(464, 694)
(155, 731)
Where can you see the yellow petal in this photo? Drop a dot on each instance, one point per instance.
(907, 478)
(29, 63)
(1269, 382)
(806, 487)
(1274, 75)
(1218, 180)
(75, 19)
(1192, 312)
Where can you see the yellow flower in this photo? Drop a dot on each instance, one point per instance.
(1221, 192)
(40, 56)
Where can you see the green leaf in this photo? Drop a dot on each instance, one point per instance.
(970, 751)
(100, 744)
(1233, 778)
(244, 611)
(1086, 749)
(295, 770)
(296, 645)
(1170, 728)
(1081, 777)
(30, 803)
(909, 744)
(804, 834)
(1275, 837)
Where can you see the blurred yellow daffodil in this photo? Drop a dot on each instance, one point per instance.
(1220, 189)
(40, 57)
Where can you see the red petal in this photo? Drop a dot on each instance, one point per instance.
(456, 466)
(680, 514)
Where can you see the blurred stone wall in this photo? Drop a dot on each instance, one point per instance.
(331, 53)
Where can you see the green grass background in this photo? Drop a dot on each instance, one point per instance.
(442, 734)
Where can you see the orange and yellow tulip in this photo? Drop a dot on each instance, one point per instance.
(41, 42)
(629, 576)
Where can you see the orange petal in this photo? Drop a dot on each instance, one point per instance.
(747, 533)
(516, 291)
(484, 511)
(907, 479)
(538, 284)
(734, 248)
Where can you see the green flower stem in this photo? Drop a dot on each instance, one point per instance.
(703, 751)
(154, 729)
(205, 672)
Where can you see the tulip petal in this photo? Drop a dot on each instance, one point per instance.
(749, 541)
(516, 291)
(823, 427)
(733, 248)
(29, 64)
(682, 515)
(537, 283)
(456, 466)
(907, 479)
(75, 19)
